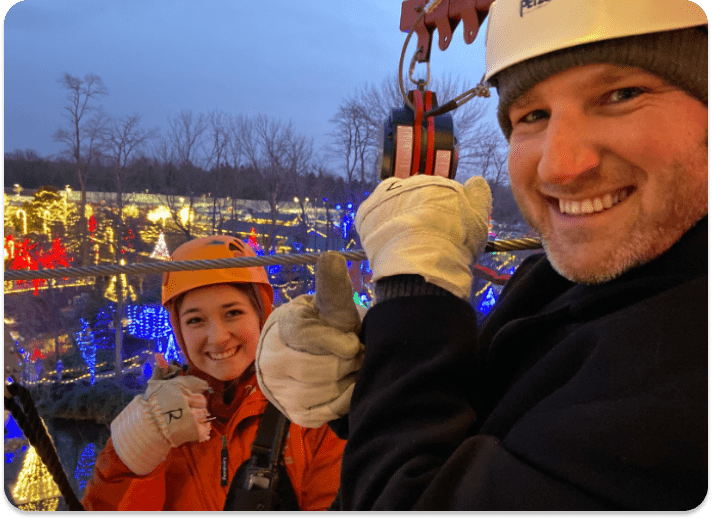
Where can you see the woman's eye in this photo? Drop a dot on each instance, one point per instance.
(192, 320)
(625, 94)
(234, 313)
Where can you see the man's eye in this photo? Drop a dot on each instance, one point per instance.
(534, 116)
(625, 94)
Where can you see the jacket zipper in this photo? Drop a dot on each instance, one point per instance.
(223, 462)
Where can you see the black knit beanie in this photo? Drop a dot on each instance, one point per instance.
(679, 57)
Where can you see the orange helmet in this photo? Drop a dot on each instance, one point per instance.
(210, 248)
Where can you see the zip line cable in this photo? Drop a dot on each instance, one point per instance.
(158, 267)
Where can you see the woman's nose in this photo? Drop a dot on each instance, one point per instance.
(217, 333)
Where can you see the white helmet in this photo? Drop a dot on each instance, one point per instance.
(542, 32)
(516, 32)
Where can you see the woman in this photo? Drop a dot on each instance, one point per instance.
(179, 445)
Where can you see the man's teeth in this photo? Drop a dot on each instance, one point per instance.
(592, 205)
(223, 354)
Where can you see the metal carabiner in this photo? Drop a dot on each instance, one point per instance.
(421, 83)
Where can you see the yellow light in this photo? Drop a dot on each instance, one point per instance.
(159, 213)
(22, 214)
(35, 484)
(131, 211)
(127, 291)
(185, 215)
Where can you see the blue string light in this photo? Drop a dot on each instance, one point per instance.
(103, 334)
(85, 465)
(13, 430)
(488, 300)
(87, 347)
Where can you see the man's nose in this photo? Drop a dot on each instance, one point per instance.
(568, 149)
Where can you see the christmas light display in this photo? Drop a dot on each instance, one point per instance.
(91, 224)
(160, 251)
(159, 213)
(252, 242)
(152, 322)
(132, 365)
(172, 351)
(127, 291)
(85, 342)
(12, 430)
(85, 466)
(103, 328)
(131, 211)
(129, 242)
(35, 490)
(24, 255)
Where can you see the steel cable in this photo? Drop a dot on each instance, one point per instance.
(158, 267)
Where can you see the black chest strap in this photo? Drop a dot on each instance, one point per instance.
(261, 483)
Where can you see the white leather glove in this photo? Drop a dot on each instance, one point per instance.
(309, 352)
(426, 225)
(171, 412)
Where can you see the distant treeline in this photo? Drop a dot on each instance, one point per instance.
(31, 171)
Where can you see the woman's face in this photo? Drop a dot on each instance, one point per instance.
(221, 328)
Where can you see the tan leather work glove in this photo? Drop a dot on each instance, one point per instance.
(171, 412)
(309, 352)
(426, 225)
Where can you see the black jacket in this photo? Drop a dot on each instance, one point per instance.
(571, 397)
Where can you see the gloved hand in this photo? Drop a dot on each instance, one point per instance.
(309, 351)
(171, 412)
(426, 225)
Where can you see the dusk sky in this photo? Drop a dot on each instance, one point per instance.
(291, 60)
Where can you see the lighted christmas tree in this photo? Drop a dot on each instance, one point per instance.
(172, 351)
(152, 322)
(160, 251)
(87, 348)
(85, 466)
(35, 489)
(103, 329)
(127, 291)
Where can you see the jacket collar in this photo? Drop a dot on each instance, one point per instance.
(537, 285)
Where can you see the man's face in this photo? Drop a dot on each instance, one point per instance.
(609, 164)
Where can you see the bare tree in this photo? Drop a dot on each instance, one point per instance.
(162, 156)
(354, 139)
(491, 153)
(220, 139)
(82, 136)
(185, 135)
(279, 154)
(123, 139)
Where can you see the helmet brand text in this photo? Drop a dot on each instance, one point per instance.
(527, 6)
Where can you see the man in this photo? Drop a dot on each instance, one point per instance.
(586, 389)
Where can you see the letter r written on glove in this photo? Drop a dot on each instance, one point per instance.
(174, 414)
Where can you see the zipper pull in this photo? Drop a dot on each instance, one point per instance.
(223, 462)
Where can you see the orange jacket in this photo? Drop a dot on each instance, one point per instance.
(189, 478)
